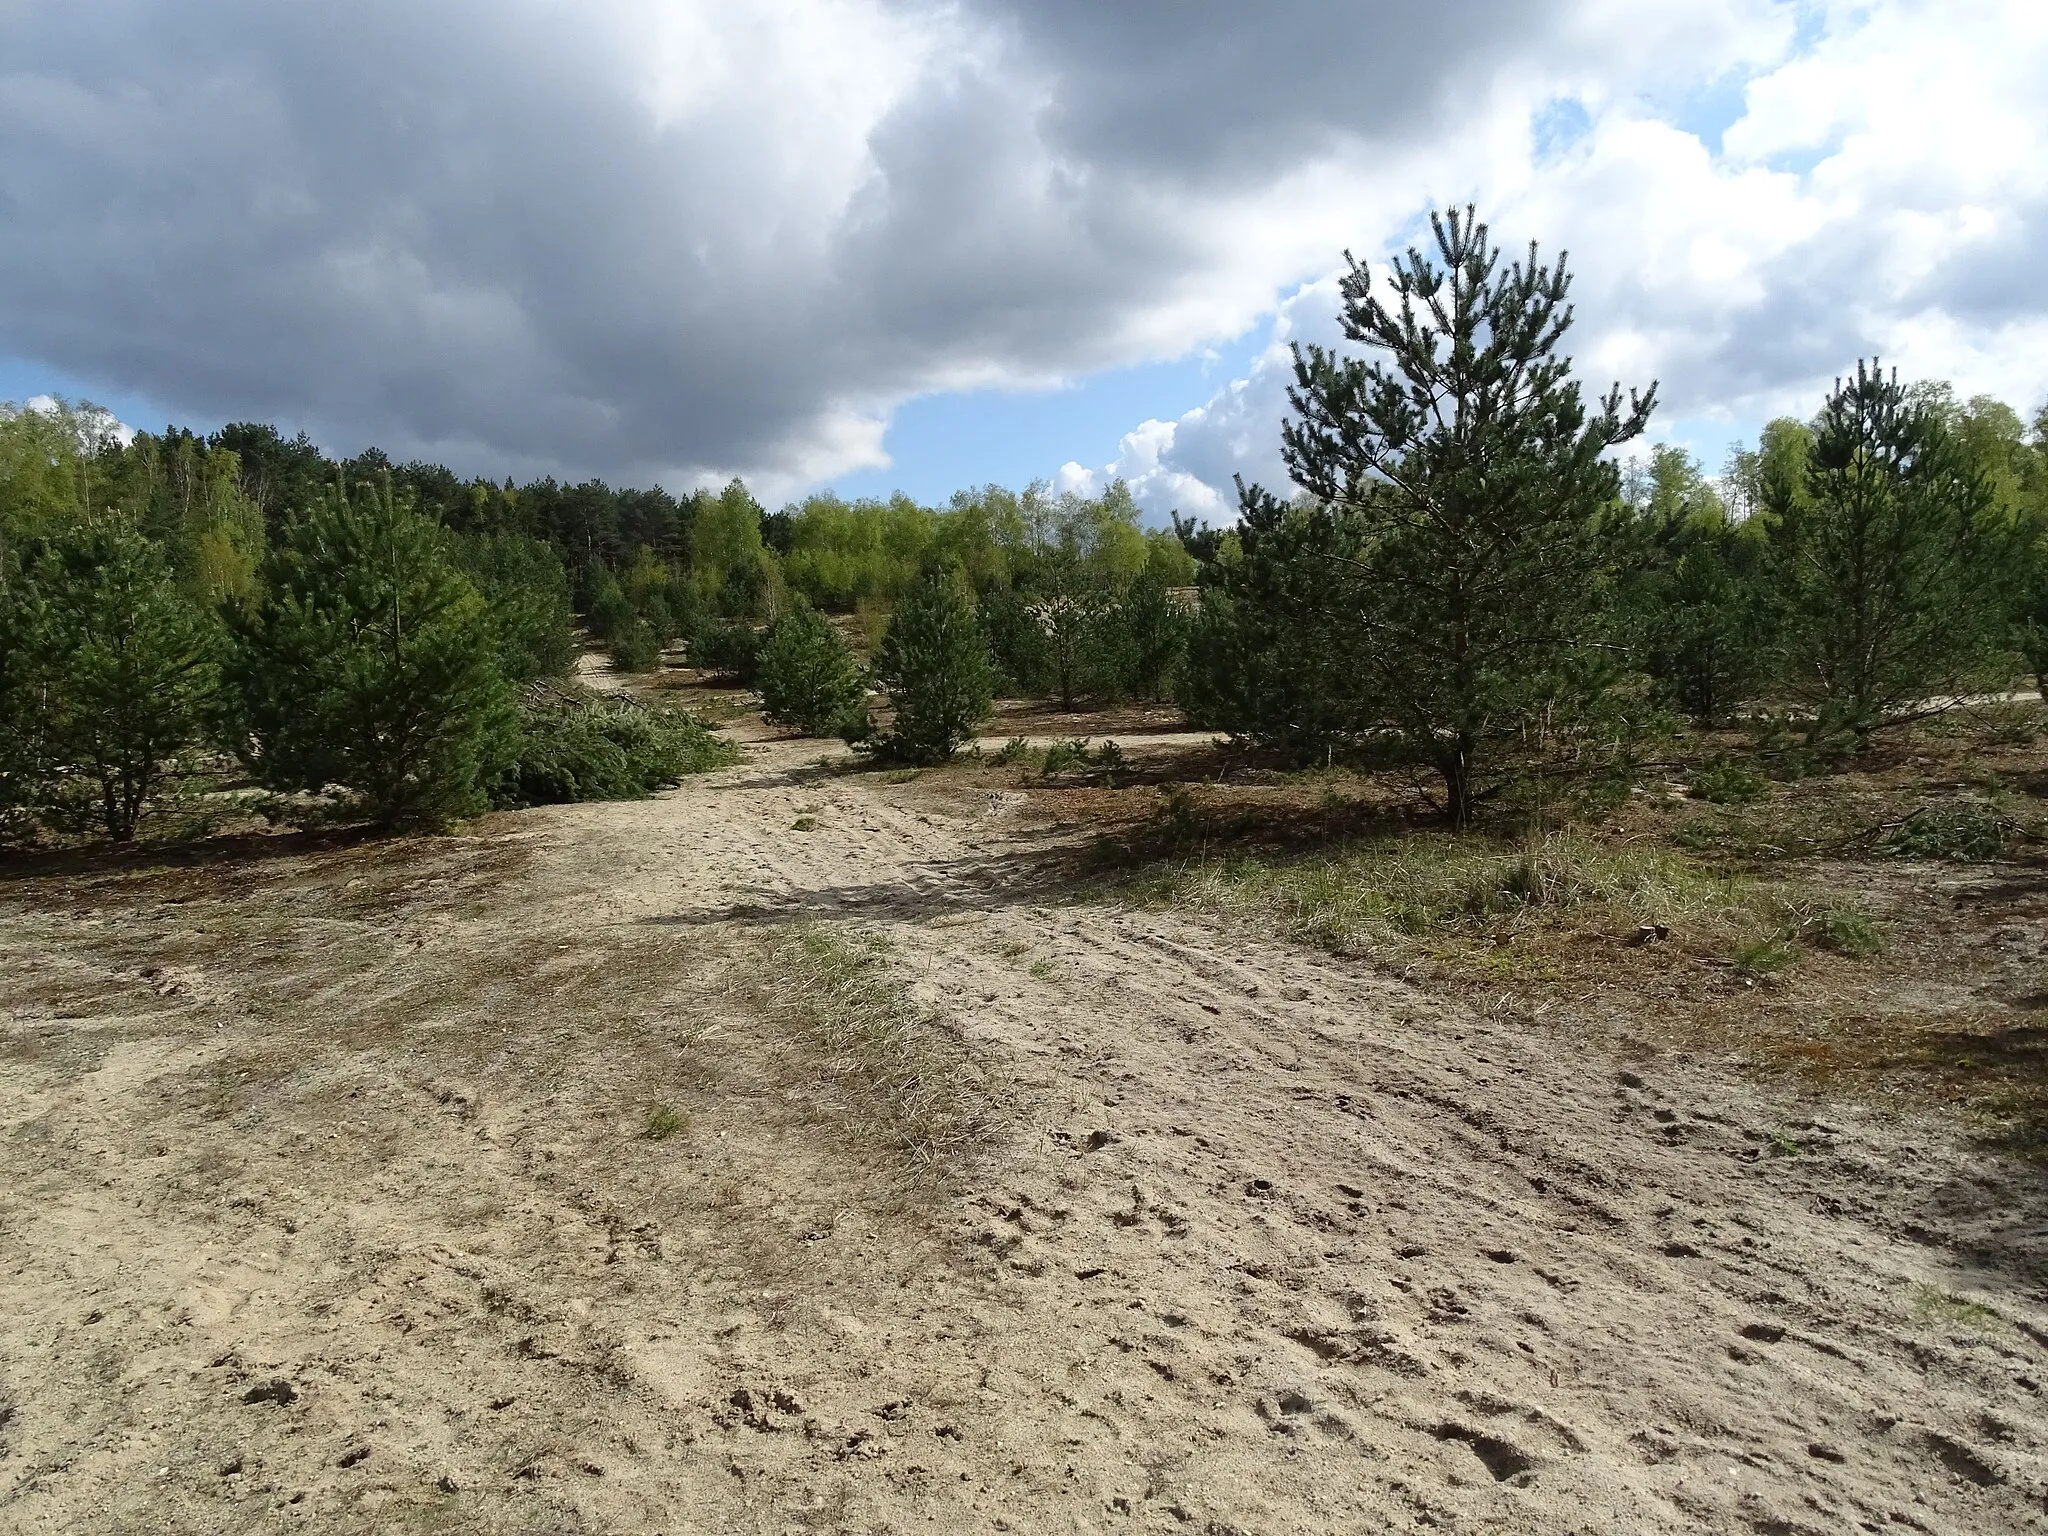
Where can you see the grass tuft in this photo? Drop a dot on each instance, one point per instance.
(887, 1066)
(1393, 889)
(1846, 930)
(665, 1121)
(1934, 1306)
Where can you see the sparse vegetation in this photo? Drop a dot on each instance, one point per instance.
(1846, 930)
(888, 1070)
(665, 1121)
(1934, 1307)
(1383, 894)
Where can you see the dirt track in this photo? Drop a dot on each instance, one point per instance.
(1265, 1242)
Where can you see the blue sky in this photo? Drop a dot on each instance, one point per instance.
(947, 442)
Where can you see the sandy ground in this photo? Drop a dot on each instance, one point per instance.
(326, 1202)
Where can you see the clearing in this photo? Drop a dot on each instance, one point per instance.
(815, 1150)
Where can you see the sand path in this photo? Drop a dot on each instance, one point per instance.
(1268, 1241)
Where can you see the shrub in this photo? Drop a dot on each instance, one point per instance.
(1062, 755)
(608, 749)
(370, 663)
(731, 649)
(1725, 782)
(1014, 751)
(609, 610)
(635, 646)
(1966, 830)
(808, 677)
(934, 662)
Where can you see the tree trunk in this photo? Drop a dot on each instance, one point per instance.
(1456, 768)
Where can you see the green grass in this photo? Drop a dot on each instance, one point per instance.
(1936, 1307)
(1429, 884)
(1766, 956)
(1847, 930)
(1434, 892)
(665, 1121)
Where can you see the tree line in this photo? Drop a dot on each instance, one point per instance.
(1463, 575)
(176, 619)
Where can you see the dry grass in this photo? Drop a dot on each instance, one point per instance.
(888, 1069)
(1392, 897)
(1872, 926)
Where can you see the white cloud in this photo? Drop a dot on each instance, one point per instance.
(93, 421)
(1884, 191)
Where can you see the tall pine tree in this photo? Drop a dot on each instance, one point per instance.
(1473, 481)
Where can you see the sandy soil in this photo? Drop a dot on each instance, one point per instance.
(326, 1202)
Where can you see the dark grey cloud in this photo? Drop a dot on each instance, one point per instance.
(1208, 89)
(461, 228)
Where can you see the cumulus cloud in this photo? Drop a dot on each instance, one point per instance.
(674, 239)
(1881, 191)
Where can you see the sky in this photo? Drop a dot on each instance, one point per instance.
(926, 244)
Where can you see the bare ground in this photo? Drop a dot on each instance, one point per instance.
(328, 1200)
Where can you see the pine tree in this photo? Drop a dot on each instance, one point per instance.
(119, 667)
(1474, 480)
(1887, 573)
(1142, 639)
(808, 677)
(523, 584)
(1268, 658)
(2030, 607)
(371, 663)
(1691, 588)
(934, 663)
